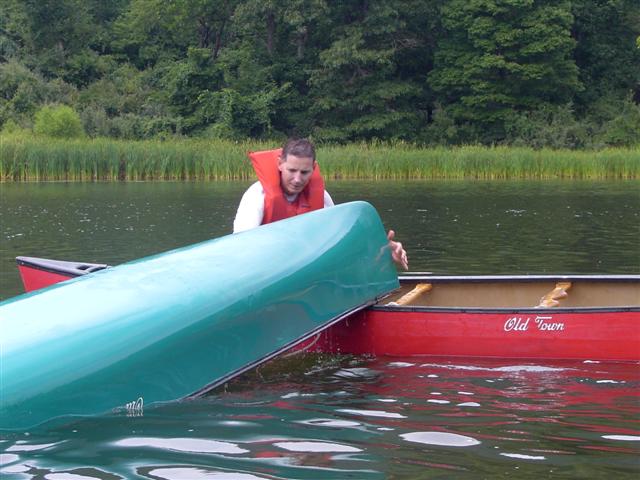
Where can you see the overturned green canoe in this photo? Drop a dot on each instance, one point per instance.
(177, 324)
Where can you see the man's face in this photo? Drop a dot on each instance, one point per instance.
(295, 173)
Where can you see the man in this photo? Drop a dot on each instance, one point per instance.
(289, 183)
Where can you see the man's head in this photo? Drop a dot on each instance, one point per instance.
(296, 165)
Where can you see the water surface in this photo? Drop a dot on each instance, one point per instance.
(465, 227)
(338, 418)
(320, 417)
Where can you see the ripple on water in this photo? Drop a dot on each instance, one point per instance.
(25, 447)
(372, 413)
(192, 473)
(523, 457)
(440, 438)
(356, 373)
(67, 476)
(509, 368)
(238, 423)
(316, 447)
(328, 422)
(6, 458)
(193, 445)
(9, 464)
(624, 438)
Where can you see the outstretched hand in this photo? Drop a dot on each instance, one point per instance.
(397, 252)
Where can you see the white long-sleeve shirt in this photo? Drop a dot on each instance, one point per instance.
(251, 208)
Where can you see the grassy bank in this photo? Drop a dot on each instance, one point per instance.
(30, 158)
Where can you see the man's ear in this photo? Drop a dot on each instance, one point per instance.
(280, 162)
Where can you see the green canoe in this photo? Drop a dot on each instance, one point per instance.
(175, 325)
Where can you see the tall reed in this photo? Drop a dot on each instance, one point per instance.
(32, 158)
(403, 161)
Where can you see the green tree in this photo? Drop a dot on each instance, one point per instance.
(57, 38)
(274, 47)
(503, 56)
(178, 44)
(127, 103)
(22, 91)
(184, 82)
(617, 121)
(605, 31)
(151, 31)
(13, 24)
(144, 35)
(367, 83)
(59, 121)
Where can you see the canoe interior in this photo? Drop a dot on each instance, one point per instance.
(513, 292)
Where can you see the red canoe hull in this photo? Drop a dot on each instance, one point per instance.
(594, 335)
(34, 279)
(37, 273)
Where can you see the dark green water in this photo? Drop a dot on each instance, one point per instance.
(345, 417)
(447, 227)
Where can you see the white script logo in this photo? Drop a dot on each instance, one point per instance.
(135, 408)
(542, 323)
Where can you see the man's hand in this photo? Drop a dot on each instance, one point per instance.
(397, 252)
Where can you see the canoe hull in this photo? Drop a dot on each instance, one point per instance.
(35, 279)
(527, 334)
(176, 324)
(37, 273)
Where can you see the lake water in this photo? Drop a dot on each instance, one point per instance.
(321, 417)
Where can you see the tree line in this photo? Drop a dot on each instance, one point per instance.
(540, 73)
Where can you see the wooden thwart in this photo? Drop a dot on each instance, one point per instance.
(552, 299)
(409, 297)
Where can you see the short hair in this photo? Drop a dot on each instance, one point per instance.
(299, 147)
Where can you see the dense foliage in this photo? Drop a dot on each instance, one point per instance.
(540, 73)
(59, 121)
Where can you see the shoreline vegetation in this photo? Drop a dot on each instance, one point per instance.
(32, 158)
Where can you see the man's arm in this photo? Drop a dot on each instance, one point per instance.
(251, 209)
(398, 253)
(328, 201)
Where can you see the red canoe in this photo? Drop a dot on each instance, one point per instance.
(587, 317)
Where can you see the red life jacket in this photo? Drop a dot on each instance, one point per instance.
(276, 206)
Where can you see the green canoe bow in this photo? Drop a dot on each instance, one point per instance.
(177, 324)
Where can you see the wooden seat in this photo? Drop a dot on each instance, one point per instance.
(552, 299)
(412, 295)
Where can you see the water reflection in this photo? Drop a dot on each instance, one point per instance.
(301, 418)
(193, 445)
(185, 473)
(440, 438)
